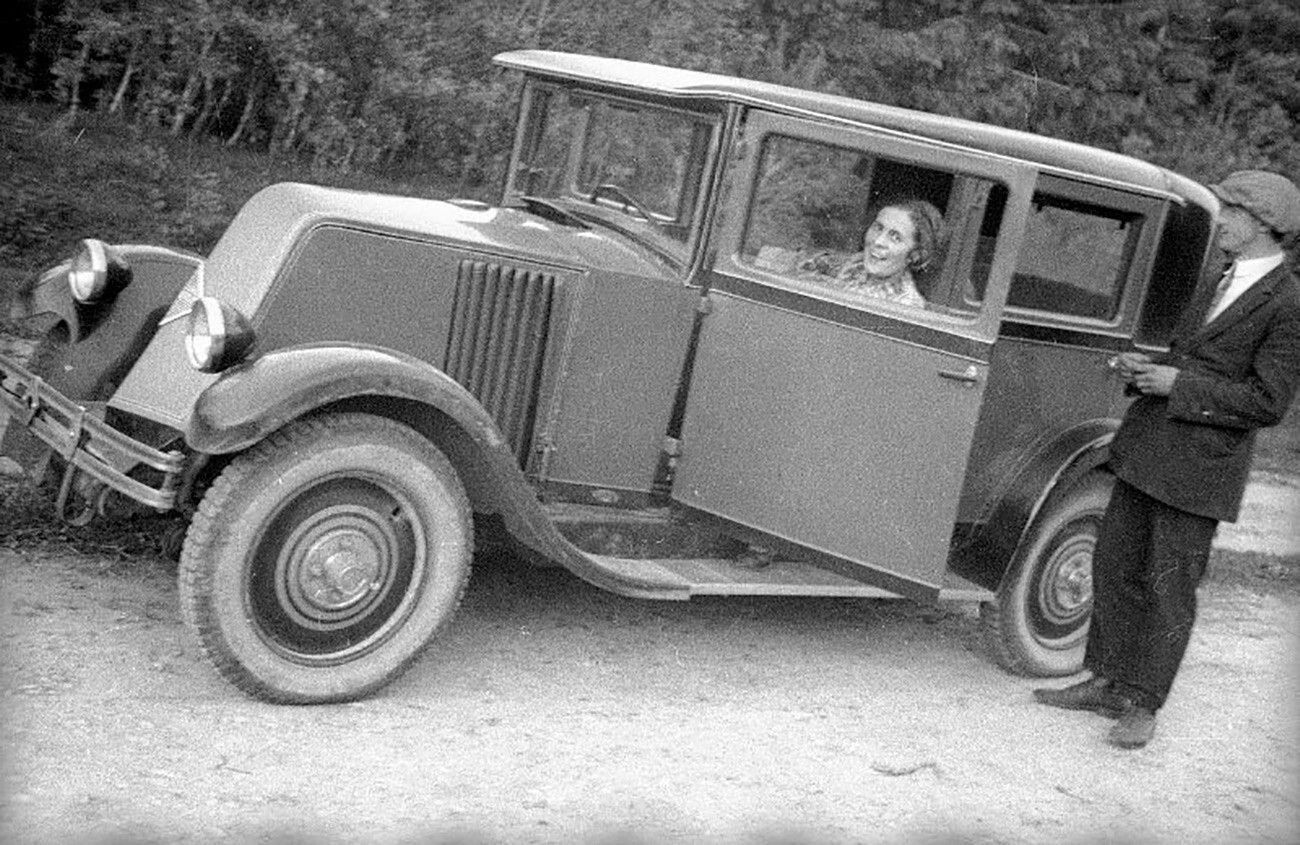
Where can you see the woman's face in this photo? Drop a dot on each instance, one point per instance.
(888, 243)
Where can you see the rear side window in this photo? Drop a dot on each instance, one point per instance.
(1075, 259)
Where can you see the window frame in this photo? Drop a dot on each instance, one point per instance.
(743, 182)
(1148, 211)
(691, 206)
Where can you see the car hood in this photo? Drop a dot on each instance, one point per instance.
(277, 216)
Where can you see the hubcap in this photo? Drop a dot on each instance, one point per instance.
(339, 570)
(334, 570)
(1071, 586)
(1062, 598)
(335, 565)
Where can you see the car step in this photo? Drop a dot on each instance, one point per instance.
(651, 546)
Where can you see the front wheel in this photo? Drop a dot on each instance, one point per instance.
(321, 562)
(1038, 624)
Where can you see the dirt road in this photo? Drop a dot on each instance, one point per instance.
(553, 712)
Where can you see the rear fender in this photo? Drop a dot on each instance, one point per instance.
(1077, 451)
(249, 402)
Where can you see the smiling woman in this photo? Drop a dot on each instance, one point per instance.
(904, 237)
(854, 224)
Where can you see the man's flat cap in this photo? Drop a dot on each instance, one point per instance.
(1271, 197)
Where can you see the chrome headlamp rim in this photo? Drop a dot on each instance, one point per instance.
(88, 271)
(218, 336)
(205, 339)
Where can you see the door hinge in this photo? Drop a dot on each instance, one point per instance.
(545, 450)
(667, 469)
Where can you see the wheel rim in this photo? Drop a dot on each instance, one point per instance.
(336, 570)
(1062, 595)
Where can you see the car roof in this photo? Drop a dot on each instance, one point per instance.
(1066, 157)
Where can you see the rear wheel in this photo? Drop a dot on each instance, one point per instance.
(321, 563)
(1038, 624)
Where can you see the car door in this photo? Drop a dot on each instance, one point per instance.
(839, 423)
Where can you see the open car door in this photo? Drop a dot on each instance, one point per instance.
(839, 422)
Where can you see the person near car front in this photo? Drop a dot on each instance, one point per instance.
(1182, 455)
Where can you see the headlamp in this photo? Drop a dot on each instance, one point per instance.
(218, 337)
(96, 271)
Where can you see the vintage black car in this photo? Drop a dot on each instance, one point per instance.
(627, 368)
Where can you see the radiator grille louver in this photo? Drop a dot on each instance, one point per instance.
(498, 340)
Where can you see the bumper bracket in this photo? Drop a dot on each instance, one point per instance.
(84, 440)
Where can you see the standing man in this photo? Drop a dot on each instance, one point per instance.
(1182, 455)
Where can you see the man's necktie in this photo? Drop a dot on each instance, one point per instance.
(1219, 292)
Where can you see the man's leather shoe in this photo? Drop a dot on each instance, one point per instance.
(1095, 694)
(1134, 729)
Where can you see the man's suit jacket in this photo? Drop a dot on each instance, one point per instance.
(1237, 373)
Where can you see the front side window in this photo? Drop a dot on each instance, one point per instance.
(628, 163)
(862, 228)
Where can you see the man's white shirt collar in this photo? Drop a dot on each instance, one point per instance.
(1245, 272)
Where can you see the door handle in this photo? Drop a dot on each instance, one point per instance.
(969, 376)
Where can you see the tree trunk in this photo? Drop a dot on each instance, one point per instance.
(119, 96)
(471, 162)
(293, 120)
(185, 107)
(211, 105)
(250, 105)
(74, 84)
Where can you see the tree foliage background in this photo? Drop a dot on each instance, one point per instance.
(1200, 86)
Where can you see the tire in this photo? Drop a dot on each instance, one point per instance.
(1038, 624)
(321, 563)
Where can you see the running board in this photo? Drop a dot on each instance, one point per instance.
(719, 577)
(666, 557)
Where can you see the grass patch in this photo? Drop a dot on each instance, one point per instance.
(98, 176)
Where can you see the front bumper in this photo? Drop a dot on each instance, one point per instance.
(88, 445)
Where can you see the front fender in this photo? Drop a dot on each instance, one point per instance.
(46, 295)
(109, 336)
(249, 402)
(1060, 463)
(157, 274)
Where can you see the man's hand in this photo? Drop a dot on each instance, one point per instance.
(1155, 379)
(1128, 363)
(1136, 369)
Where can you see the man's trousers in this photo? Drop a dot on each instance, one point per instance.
(1150, 557)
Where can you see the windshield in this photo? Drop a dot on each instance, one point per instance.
(615, 160)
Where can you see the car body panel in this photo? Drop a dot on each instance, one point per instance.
(603, 424)
(287, 243)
